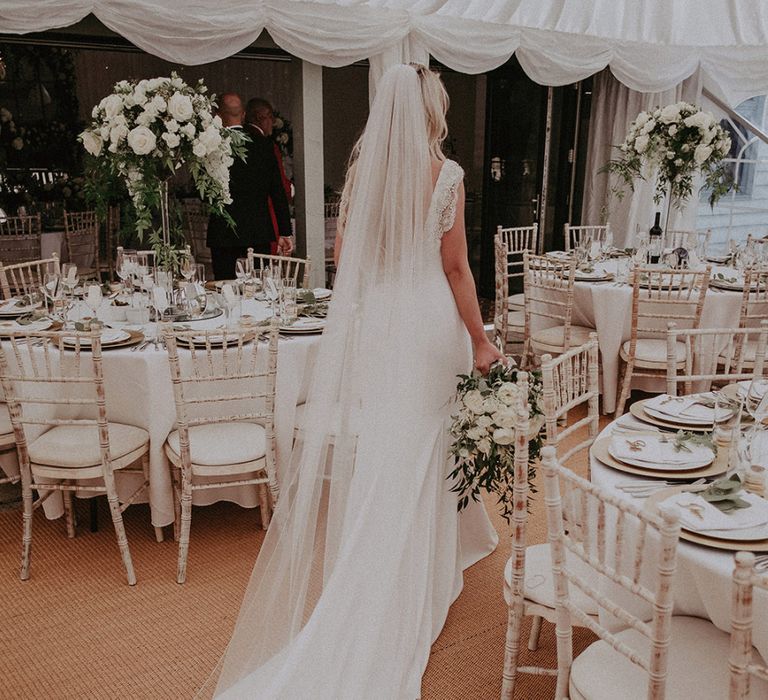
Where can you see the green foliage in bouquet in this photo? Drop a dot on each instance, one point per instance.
(483, 434)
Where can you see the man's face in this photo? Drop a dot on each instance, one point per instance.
(266, 121)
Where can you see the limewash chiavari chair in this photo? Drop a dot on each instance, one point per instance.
(297, 269)
(658, 297)
(507, 324)
(633, 554)
(549, 297)
(575, 236)
(27, 277)
(568, 381)
(754, 308)
(54, 385)
(703, 343)
(518, 240)
(224, 389)
(743, 660)
(20, 239)
(81, 232)
(679, 238)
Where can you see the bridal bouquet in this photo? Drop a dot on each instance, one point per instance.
(483, 433)
(678, 141)
(145, 131)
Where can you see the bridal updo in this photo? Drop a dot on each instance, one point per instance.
(435, 101)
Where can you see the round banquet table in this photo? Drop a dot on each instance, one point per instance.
(139, 392)
(702, 586)
(607, 308)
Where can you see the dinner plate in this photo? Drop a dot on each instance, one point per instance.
(126, 339)
(601, 453)
(728, 286)
(42, 324)
(304, 325)
(607, 277)
(640, 464)
(731, 544)
(683, 420)
(637, 409)
(216, 340)
(10, 309)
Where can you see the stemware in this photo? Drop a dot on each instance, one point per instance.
(289, 304)
(124, 264)
(756, 401)
(270, 283)
(69, 279)
(51, 289)
(93, 299)
(230, 300)
(187, 266)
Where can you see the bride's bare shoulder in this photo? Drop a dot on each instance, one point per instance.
(436, 167)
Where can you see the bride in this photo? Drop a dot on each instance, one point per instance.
(366, 549)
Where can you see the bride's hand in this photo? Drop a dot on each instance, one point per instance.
(485, 355)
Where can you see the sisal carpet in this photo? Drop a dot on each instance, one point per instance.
(76, 630)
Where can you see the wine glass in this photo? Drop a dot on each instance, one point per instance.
(756, 401)
(69, 279)
(270, 284)
(93, 299)
(51, 289)
(160, 303)
(123, 264)
(230, 295)
(187, 266)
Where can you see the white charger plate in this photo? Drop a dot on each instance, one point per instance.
(108, 337)
(663, 466)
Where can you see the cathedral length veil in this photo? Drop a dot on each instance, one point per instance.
(368, 412)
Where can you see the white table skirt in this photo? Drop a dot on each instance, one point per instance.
(702, 585)
(608, 309)
(139, 392)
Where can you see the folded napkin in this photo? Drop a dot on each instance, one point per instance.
(559, 254)
(699, 515)
(744, 387)
(657, 450)
(697, 407)
(593, 273)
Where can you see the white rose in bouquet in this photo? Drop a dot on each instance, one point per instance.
(217, 122)
(491, 405)
(180, 107)
(484, 422)
(508, 393)
(474, 401)
(172, 125)
(476, 434)
(642, 118)
(210, 138)
(199, 149)
(112, 106)
(503, 436)
(159, 103)
(484, 446)
(648, 126)
(701, 120)
(92, 142)
(641, 143)
(670, 114)
(505, 418)
(189, 131)
(118, 133)
(141, 140)
(672, 130)
(171, 140)
(701, 153)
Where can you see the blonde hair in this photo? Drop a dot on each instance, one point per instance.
(435, 101)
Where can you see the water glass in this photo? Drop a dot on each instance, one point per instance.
(288, 299)
(756, 400)
(199, 274)
(270, 284)
(187, 266)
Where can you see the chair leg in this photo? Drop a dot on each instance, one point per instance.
(176, 505)
(626, 384)
(119, 525)
(511, 648)
(186, 523)
(69, 513)
(26, 538)
(533, 639)
(264, 506)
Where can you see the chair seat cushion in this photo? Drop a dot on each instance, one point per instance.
(220, 444)
(697, 666)
(516, 319)
(653, 351)
(516, 302)
(78, 445)
(539, 584)
(555, 336)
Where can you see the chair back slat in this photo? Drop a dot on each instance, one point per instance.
(754, 303)
(651, 589)
(688, 239)
(571, 380)
(20, 239)
(27, 277)
(297, 269)
(81, 232)
(576, 236)
(741, 659)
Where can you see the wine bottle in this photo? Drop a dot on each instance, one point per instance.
(655, 236)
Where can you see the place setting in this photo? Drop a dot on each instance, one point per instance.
(696, 412)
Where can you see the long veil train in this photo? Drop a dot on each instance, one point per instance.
(363, 556)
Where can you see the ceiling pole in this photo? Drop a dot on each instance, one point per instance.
(309, 165)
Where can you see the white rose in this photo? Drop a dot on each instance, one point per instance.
(464, 452)
(484, 446)
(155, 84)
(217, 122)
(172, 140)
(701, 120)
(210, 138)
(670, 155)
(475, 434)
(670, 114)
(279, 124)
(641, 143)
(672, 130)
(172, 126)
(112, 106)
(117, 134)
(104, 132)
(158, 102)
(491, 405)
(189, 130)
(92, 142)
(508, 393)
(679, 162)
(198, 149)
(484, 422)
(504, 419)
(503, 436)
(141, 140)
(648, 126)
(177, 82)
(94, 112)
(702, 153)
(180, 107)
(474, 401)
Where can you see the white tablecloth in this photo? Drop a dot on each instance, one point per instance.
(139, 392)
(608, 309)
(703, 578)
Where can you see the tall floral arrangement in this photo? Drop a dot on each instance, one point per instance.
(145, 131)
(483, 433)
(676, 142)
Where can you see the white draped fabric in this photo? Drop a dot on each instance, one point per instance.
(649, 46)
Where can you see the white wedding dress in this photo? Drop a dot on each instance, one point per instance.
(400, 546)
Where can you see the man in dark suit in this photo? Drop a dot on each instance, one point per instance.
(251, 183)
